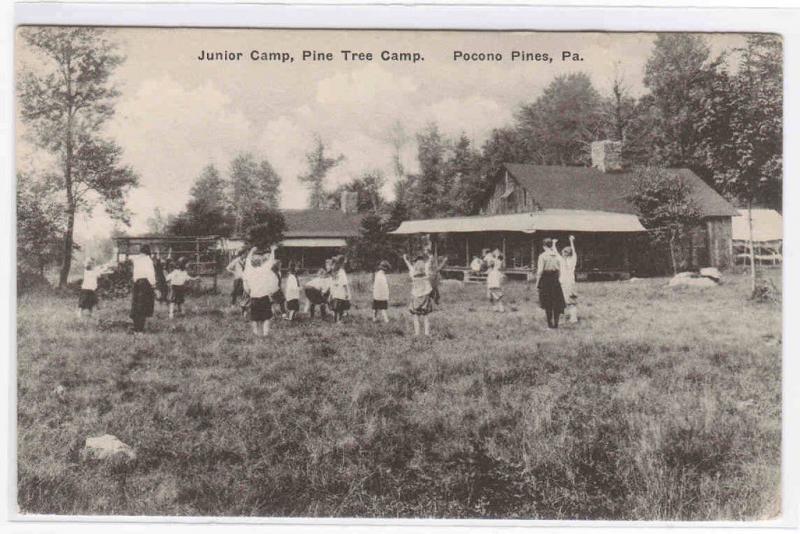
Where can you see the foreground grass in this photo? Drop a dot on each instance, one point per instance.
(660, 404)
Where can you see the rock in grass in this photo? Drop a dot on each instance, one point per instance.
(711, 272)
(691, 280)
(106, 447)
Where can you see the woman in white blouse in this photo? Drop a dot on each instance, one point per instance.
(143, 295)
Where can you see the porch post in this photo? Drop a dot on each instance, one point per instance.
(466, 240)
(626, 256)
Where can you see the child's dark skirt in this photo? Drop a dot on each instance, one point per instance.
(380, 305)
(260, 309)
(293, 305)
(422, 305)
(314, 295)
(87, 299)
(340, 305)
(278, 297)
(177, 294)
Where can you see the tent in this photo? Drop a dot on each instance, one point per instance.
(767, 237)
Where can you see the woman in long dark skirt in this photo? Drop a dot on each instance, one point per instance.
(551, 297)
(143, 295)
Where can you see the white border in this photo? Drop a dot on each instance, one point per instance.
(783, 21)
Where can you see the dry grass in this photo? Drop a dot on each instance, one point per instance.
(660, 404)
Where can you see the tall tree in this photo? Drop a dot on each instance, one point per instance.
(373, 244)
(665, 207)
(253, 188)
(66, 103)
(468, 183)
(318, 166)
(741, 126)
(206, 211)
(678, 74)
(558, 127)
(430, 192)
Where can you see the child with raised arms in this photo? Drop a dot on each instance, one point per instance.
(494, 283)
(380, 292)
(178, 279)
(421, 304)
(261, 281)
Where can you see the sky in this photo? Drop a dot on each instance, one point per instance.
(176, 113)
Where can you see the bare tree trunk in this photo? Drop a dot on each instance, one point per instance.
(66, 263)
(750, 246)
(672, 253)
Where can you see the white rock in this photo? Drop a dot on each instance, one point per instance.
(105, 447)
(695, 281)
(634, 279)
(711, 272)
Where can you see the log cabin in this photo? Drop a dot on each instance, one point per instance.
(530, 202)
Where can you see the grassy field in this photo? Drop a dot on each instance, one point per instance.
(659, 404)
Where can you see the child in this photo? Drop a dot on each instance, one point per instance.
(236, 268)
(87, 299)
(488, 259)
(569, 259)
(380, 293)
(162, 287)
(476, 265)
(278, 297)
(292, 292)
(340, 290)
(435, 267)
(317, 290)
(261, 281)
(494, 281)
(142, 295)
(421, 300)
(551, 297)
(177, 280)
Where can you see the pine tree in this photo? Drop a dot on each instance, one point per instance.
(65, 105)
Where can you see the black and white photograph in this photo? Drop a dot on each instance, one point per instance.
(395, 274)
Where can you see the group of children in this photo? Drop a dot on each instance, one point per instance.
(153, 279)
(259, 287)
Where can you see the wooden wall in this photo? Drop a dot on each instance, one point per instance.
(720, 241)
(517, 202)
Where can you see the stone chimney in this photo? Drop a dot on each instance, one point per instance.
(349, 202)
(607, 156)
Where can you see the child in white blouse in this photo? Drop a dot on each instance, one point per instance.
(87, 299)
(340, 290)
(292, 292)
(380, 293)
(494, 282)
(569, 260)
(177, 280)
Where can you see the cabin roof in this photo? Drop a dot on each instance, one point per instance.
(321, 223)
(588, 188)
(529, 222)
